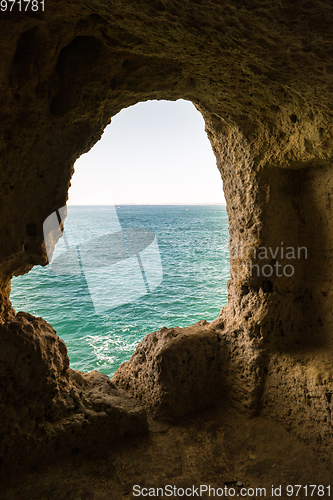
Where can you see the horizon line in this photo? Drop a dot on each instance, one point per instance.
(140, 204)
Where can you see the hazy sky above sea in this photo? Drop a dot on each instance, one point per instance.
(156, 152)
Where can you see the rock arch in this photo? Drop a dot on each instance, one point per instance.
(260, 74)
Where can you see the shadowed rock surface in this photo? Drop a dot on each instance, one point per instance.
(49, 408)
(261, 73)
(176, 371)
(215, 448)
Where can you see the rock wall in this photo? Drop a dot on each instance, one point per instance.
(47, 409)
(261, 74)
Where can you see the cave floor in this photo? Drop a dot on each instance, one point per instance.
(215, 448)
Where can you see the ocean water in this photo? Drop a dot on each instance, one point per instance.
(193, 250)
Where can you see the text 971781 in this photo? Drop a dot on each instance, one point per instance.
(22, 5)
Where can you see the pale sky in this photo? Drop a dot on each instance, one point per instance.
(155, 152)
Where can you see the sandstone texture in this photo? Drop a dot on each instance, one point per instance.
(176, 371)
(216, 448)
(49, 410)
(261, 74)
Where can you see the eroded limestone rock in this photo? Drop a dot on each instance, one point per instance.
(176, 371)
(261, 74)
(48, 409)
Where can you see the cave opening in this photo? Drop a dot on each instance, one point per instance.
(153, 170)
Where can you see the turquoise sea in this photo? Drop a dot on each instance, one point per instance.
(193, 248)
